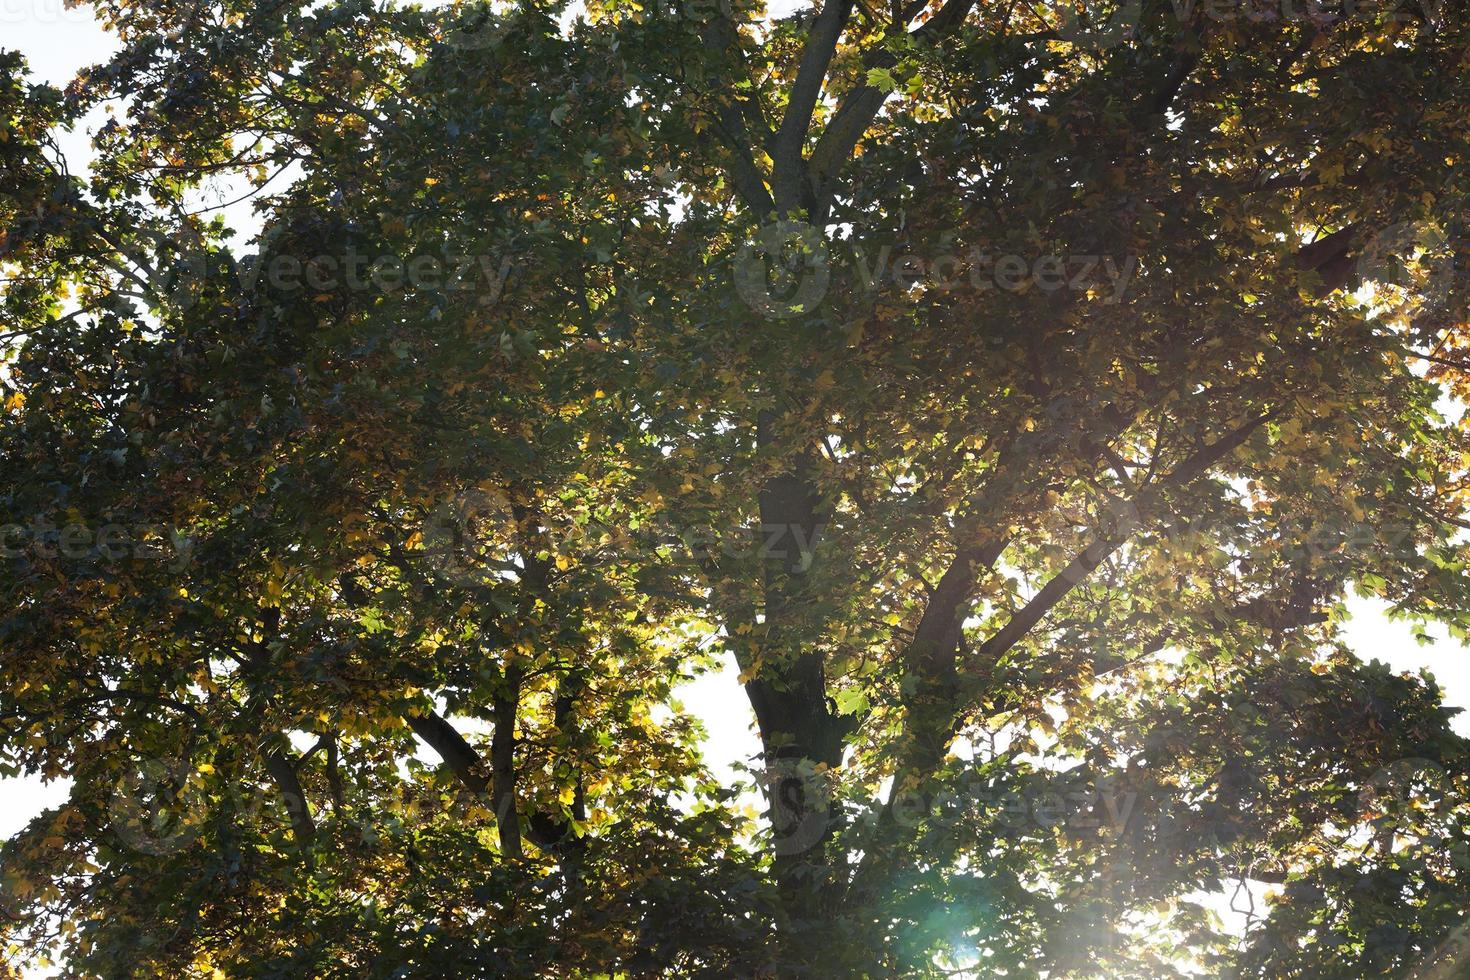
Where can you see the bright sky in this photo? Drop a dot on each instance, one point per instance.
(58, 41)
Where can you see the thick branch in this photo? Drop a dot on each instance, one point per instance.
(731, 118)
(503, 765)
(860, 107)
(937, 632)
(927, 752)
(459, 756)
(283, 774)
(462, 759)
(468, 766)
(789, 177)
(1331, 258)
(1096, 553)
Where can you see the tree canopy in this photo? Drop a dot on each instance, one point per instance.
(1014, 393)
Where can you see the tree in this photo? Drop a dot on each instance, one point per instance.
(1014, 394)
